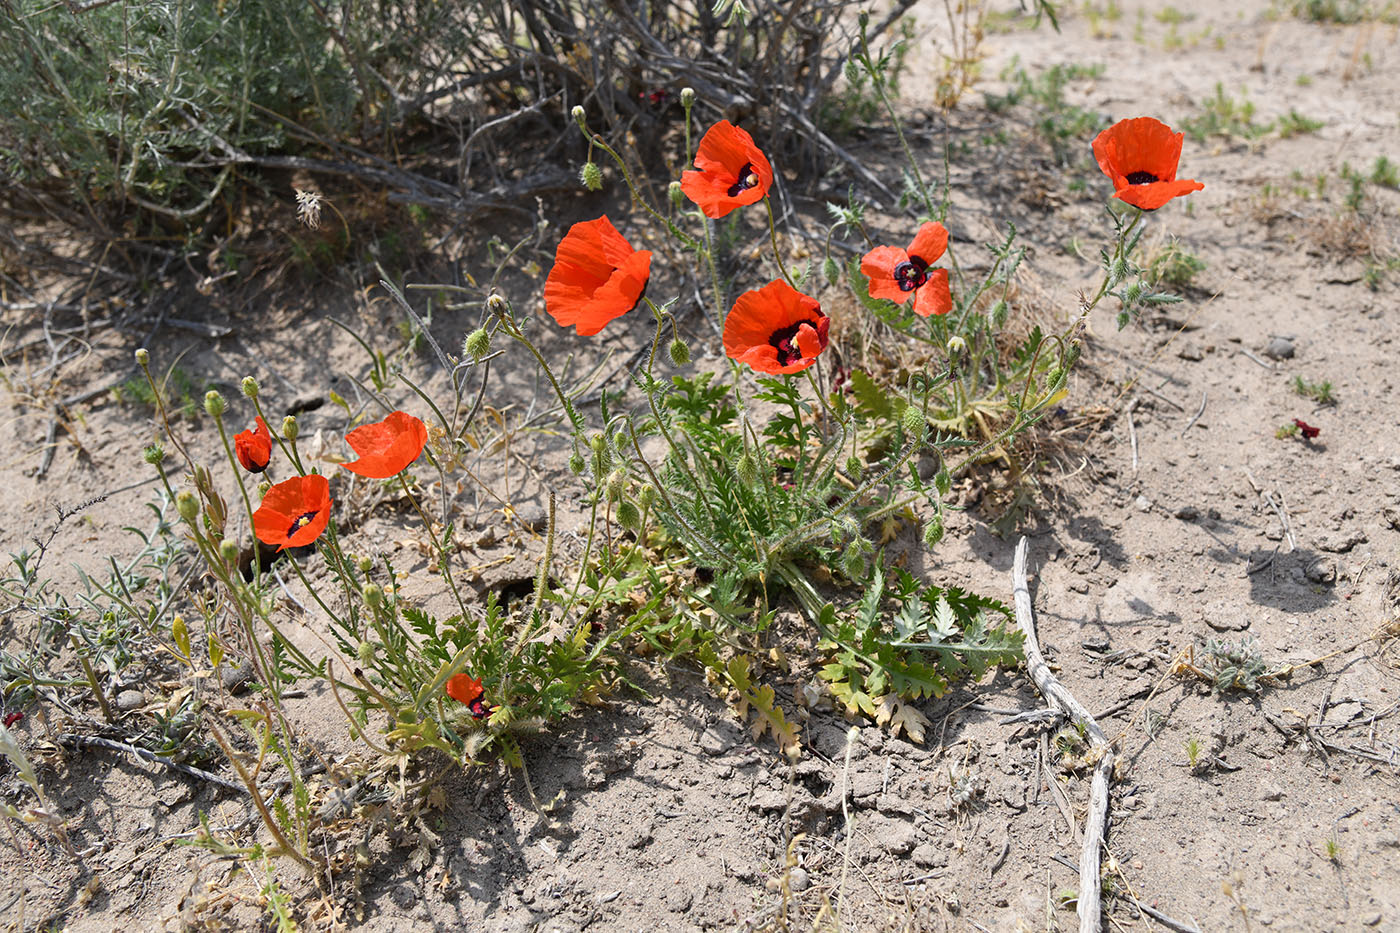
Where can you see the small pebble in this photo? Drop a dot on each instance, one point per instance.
(799, 880)
(1279, 348)
(129, 700)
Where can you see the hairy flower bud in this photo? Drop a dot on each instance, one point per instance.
(365, 652)
(687, 97)
(214, 403)
(591, 176)
(854, 468)
(154, 454)
(228, 551)
(374, 596)
(249, 385)
(143, 357)
(676, 194)
(933, 530)
(1072, 355)
(365, 564)
(628, 516)
(956, 345)
(477, 344)
(289, 427)
(1132, 294)
(578, 114)
(914, 423)
(187, 505)
(853, 72)
(999, 313)
(832, 270)
(497, 304)
(576, 463)
(747, 470)
(680, 353)
(647, 496)
(853, 563)
(943, 481)
(617, 479)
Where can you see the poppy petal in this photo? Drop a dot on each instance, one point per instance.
(463, 688)
(254, 448)
(387, 447)
(776, 329)
(878, 265)
(725, 159)
(1150, 197)
(934, 296)
(597, 277)
(930, 243)
(294, 513)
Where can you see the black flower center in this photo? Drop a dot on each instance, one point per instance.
(301, 522)
(785, 341)
(745, 180)
(910, 275)
(1142, 178)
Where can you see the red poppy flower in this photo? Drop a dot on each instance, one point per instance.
(597, 276)
(467, 689)
(732, 171)
(1139, 156)
(294, 513)
(386, 447)
(1309, 432)
(776, 329)
(254, 448)
(896, 274)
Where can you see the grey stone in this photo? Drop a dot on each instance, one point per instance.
(236, 679)
(799, 880)
(719, 738)
(129, 700)
(1271, 791)
(1279, 348)
(1342, 541)
(1190, 352)
(930, 856)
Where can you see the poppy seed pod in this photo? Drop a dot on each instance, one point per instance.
(214, 403)
(249, 385)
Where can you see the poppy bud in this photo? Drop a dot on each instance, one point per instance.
(914, 423)
(214, 403)
(854, 468)
(576, 463)
(187, 505)
(143, 358)
(956, 345)
(249, 385)
(497, 304)
(832, 270)
(999, 313)
(933, 530)
(365, 652)
(943, 482)
(853, 72)
(289, 427)
(598, 443)
(365, 564)
(853, 564)
(591, 176)
(677, 194)
(578, 114)
(229, 552)
(687, 97)
(747, 470)
(680, 353)
(264, 486)
(1132, 294)
(647, 496)
(616, 480)
(154, 454)
(1072, 355)
(628, 516)
(374, 596)
(1055, 381)
(477, 344)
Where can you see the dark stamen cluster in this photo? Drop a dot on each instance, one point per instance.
(784, 341)
(910, 275)
(746, 180)
(1142, 178)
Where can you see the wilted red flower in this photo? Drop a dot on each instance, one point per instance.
(1139, 156)
(254, 448)
(467, 689)
(386, 447)
(732, 171)
(897, 274)
(294, 513)
(597, 276)
(12, 718)
(1309, 432)
(776, 329)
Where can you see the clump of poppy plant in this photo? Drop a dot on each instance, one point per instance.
(1140, 157)
(597, 276)
(776, 329)
(387, 447)
(293, 513)
(731, 171)
(897, 275)
(254, 448)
